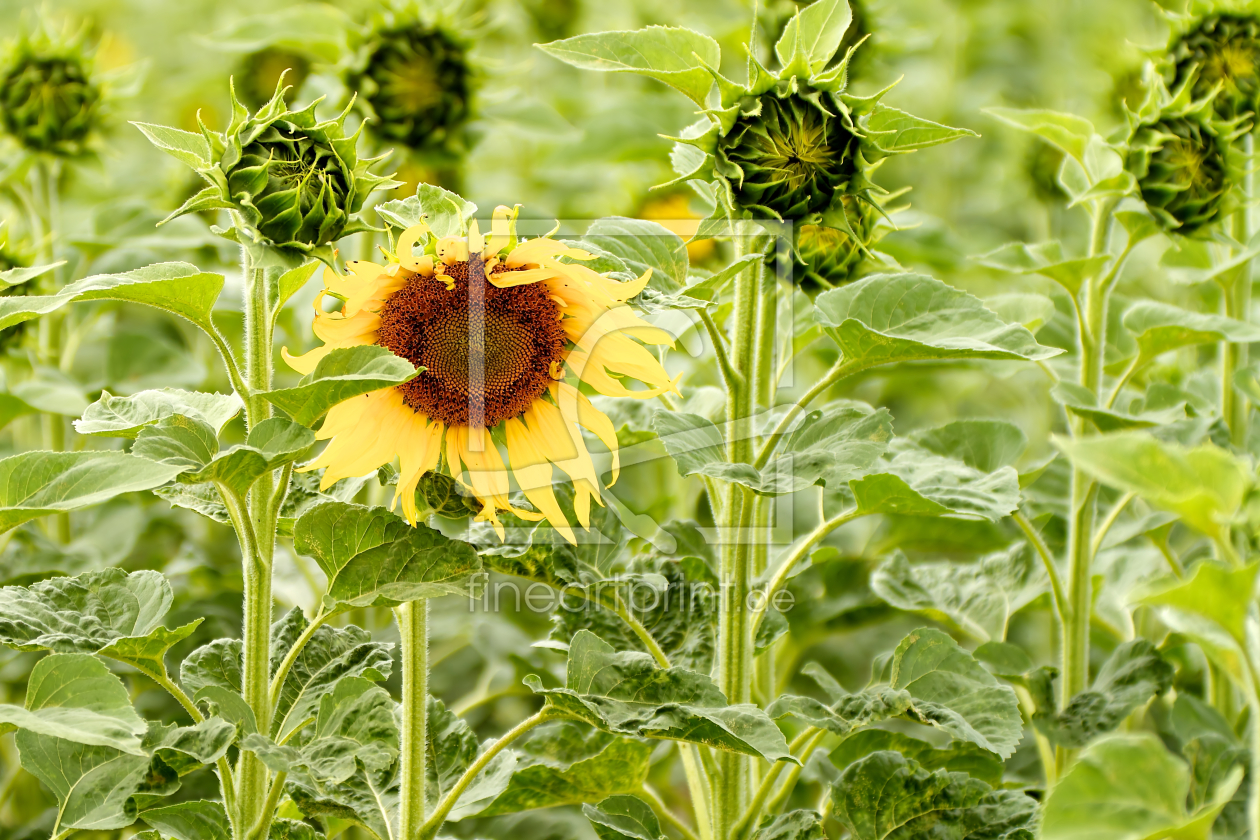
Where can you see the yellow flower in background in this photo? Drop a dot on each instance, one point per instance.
(504, 332)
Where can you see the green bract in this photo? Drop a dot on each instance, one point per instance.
(291, 180)
(790, 145)
(1220, 50)
(417, 83)
(440, 494)
(48, 98)
(1180, 156)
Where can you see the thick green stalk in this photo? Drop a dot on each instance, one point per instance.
(413, 627)
(257, 548)
(763, 508)
(47, 179)
(1093, 341)
(730, 787)
(1234, 407)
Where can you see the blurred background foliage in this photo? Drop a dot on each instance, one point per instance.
(573, 147)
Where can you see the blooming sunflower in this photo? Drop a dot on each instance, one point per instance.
(503, 331)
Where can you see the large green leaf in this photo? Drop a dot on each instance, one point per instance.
(917, 482)
(74, 697)
(982, 444)
(197, 820)
(1129, 787)
(887, 318)
(372, 557)
(977, 598)
(627, 694)
(953, 692)
(445, 213)
(124, 417)
(887, 795)
(670, 54)
(641, 245)
(831, 446)
(93, 785)
(1048, 260)
(1160, 328)
(794, 825)
(844, 714)
(1131, 676)
(1203, 485)
(1067, 131)
(177, 287)
(332, 654)
(1218, 594)
(452, 750)
(564, 765)
(958, 756)
(343, 374)
(623, 817)
(35, 484)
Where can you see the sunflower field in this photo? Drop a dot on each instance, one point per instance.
(628, 419)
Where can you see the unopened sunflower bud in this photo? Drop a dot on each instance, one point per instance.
(418, 84)
(788, 154)
(1221, 51)
(1182, 168)
(48, 98)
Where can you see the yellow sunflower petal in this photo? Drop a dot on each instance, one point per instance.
(420, 452)
(305, 363)
(532, 471)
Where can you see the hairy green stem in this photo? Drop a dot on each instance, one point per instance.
(431, 826)
(262, 827)
(1237, 293)
(1108, 521)
(1061, 606)
(838, 371)
(277, 681)
(413, 627)
(257, 536)
(666, 815)
(803, 745)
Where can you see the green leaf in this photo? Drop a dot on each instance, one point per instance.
(215, 664)
(280, 441)
(1203, 485)
(564, 765)
(642, 245)
(1069, 132)
(93, 785)
(1129, 787)
(830, 447)
(626, 694)
(977, 598)
(186, 748)
(958, 756)
(1160, 328)
(177, 441)
(916, 482)
(199, 820)
(184, 146)
(445, 213)
(886, 795)
(83, 614)
(954, 693)
(846, 713)
(814, 33)
(623, 817)
(985, 445)
(896, 132)
(176, 287)
(1046, 259)
(35, 484)
(148, 653)
(794, 825)
(372, 557)
(452, 750)
(20, 274)
(1131, 676)
(669, 54)
(708, 288)
(332, 654)
(341, 375)
(1213, 592)
(888, 318)
(124, 417)
(73, 697)
(289, 284)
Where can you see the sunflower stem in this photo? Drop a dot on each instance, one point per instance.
(413, 627)
(1234, 407)
(256, 531)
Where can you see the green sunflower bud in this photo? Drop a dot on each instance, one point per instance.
(261, 71)
(1183, 171)
(1221, 50)
(49, 100)
(788, 154)
(418, 84)
(292, 181)
(440, 494)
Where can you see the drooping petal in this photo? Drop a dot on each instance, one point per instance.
(532, 471)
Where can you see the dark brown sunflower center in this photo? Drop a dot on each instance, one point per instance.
(488, 353)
